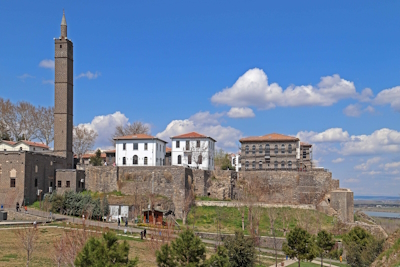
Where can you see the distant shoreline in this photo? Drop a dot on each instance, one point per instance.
(377, 198)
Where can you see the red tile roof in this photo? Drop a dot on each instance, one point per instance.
(192, 135)
(168, 149)
(305, 144)
(137, 137)
(109, 151)
(30, 143)
(269, 137)
(8, 142)
(88, 156)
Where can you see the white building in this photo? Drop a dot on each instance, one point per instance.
(235, 162)
(139, 150)
(22, 145)
(193, 150)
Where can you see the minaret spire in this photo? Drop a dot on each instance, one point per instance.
(63, 26)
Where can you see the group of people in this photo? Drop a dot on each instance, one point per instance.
(119, 222)
(18, 208)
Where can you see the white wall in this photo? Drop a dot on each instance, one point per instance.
(207, 148)
(155, 152)
(17, 147)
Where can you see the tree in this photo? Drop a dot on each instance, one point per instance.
(83, 139)
(325, 243)
(186, 250)
(241, 250)
(44, 123)
(300, 245)
(105, 251)
(28, 238)
(362, 247)
(219, 259)
(96, 159)
(130, 129)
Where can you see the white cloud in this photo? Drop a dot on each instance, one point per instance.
(369, 109)
(47, 63)
(89, 75)
(105, 125)
(207, 124)
(25, 76)
(392, 165)
(381, 141)
(338, 160)
(365, 166)
(389, 96)
(241, 113)
(372, 173)
(48, 82)
(352, 180)
(330, 135)
(353, 110)
(393, 172)
(252, 89)
(365, 95)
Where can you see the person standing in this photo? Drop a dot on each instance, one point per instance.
(126, 222)
(17, 206)
(119, 222)
(144, 232)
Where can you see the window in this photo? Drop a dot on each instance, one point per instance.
(290, 149)
(276, 165)
(124, 146)
(145, 160)
(123, 161)
(189, 159)
(58, 183)
(267, 149)
(198, 143)
(200, 159)
(20, 148)
(283, 148)
(51, 184)
(260, 165)
(260, 149)
(35, 182)
(254, 149)
(247, 165)
(135, 146)
(282, 164)
(145, 146)
(60, 46)
(247, 149)
(179, 159)
(12, 182)
(68, 184)
(304, 154)
(234, 162)
(276, 149)
(289, 164)
(187, 145)
(177, 144)
(36, 168)
(34, 149)
(163, 162)
(135, 160)
(253, 164)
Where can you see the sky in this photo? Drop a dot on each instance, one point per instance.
(326, 72)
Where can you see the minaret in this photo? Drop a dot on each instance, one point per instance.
(64, 91)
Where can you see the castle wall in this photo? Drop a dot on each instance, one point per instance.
(72, 176)
(101, 179)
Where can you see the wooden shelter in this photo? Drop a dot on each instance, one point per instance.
(148, 216)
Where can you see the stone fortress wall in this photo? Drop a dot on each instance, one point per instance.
(288, 188)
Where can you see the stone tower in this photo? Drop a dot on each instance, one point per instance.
(64, 90)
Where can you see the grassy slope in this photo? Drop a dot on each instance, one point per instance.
(391, 256)
(231, 219)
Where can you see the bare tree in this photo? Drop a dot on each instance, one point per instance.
(83, 140)
(59, 251)
(44, 119)
(28, 238)
(272, 215)
(199, 152)
(135, 128)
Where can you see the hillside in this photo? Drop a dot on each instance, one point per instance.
(390, 257)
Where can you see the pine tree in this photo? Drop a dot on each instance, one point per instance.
(186, 250)
(241, 250)
(105, 251)
(300, 244)
(325, 243)
(219, 259)
(96, 160)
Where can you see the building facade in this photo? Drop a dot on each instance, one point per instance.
(193, 150)
(275, 152)
(23, 146)
(139, 150)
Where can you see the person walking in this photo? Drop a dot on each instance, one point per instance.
(26, 209)
(144, 232)
(17, 206)
(119, 222)
(126, 222)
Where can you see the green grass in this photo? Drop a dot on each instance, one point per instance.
(206, 198)
(231, 219)
(35, 205)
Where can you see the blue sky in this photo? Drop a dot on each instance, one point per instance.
(281, 66)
